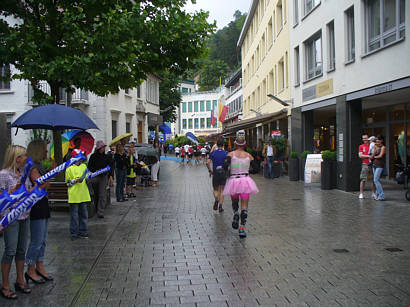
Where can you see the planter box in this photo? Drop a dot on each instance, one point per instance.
(293, 169)
(277, 169)
(302, 169)
(326, 175)
(334, 174)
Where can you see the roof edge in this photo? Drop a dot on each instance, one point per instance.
(247, 23)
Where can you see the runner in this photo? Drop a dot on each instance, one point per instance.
(182, 154)
(177, 149)
(203, 154)
(218, 174)
(208, 149)
(190, 153)
(197, 154)
(239, 183)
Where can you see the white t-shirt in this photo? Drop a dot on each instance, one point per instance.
(269, 151)
(203, 150)
(186, 147)
(371, 147)
(176, 149)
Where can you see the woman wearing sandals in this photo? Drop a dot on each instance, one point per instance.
(239, 184)
(16, 236)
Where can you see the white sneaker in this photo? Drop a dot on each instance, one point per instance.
(374, 195)
(361, 196)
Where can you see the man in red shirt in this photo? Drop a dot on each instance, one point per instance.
(366, 168)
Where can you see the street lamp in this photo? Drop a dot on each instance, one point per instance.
(257, 112)
(284, 103)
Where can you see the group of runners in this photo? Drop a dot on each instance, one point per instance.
(230, 177)
(196, 152)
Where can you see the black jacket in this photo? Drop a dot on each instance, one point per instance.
(98, 161)
(121, 161)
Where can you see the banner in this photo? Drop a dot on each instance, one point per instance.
(28, 202)
(60, 168)
(223, 112)
(190, 136)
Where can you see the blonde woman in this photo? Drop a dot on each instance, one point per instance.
(39, 216)
(16, 236)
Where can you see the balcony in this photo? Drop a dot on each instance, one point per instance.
(79, 97)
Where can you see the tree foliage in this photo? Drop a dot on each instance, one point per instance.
(169, 96)
(223, 44)
(212, 73)
(99, 45)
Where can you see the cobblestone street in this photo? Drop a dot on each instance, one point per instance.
(168, 247)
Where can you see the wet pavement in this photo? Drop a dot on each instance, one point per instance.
(168, 247)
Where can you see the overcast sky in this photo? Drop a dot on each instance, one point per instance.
(220, 10)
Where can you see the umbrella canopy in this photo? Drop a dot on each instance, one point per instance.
(117, 139)
(146, 151)
(54, 117)
(87, 142)
(65, 146)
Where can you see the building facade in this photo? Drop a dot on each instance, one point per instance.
(132, 110)
(264, 43)
(233, 98)
(195, 113)
(350, 74)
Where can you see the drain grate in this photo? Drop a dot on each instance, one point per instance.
(393, 249)
(340, 250)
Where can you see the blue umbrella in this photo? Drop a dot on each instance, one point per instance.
(54, 117)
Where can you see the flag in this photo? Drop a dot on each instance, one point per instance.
(190, 136)
(223, 110)
(213, 117)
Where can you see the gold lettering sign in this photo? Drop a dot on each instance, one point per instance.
(324, 88)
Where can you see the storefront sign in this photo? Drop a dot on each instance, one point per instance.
(313, 168)
(321, 89)
(324, 88)
(276, 133)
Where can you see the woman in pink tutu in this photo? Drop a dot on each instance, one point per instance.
(239, 184)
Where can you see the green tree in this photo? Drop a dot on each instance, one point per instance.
(212, 73)
(169, 96)
(223, 44)
(98, 45)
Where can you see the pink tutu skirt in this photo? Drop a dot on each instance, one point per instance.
(240, 185)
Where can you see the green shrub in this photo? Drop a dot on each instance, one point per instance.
(327, 155)
(333, 155)
(280, 145)
(304, 154)
(47, 164)
(294, 155)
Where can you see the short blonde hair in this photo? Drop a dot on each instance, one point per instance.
(35, 150)
(12, 153)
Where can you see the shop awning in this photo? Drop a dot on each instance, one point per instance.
(251, 122)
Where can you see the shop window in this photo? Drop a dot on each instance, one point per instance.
(350, 37)
(184, 123)
(195, 106)
(313, 51)
(396, 148)
(184, 107)
(208, 105)
(190, 123)
(202, 106)
(196, 123)
(385, 22)
(375, 115)
(397, 112)
(190, 106)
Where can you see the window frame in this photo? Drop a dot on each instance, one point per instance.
(305, 12)
(350, 35)
(190, 123)
(297, 66)
(4, 70)
(189, 106)
(311, 41)
(383, 35)
(184, 107)
(331, 46)
(184, 123)
(196, 106)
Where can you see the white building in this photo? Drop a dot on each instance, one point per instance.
(350, 73)
(233, 98)
(194, 113)
(133, 110)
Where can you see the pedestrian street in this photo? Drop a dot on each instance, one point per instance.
(167, 247)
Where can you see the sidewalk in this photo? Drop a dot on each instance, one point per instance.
(167, 247)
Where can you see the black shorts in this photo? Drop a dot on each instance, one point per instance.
(130, 181)
(177, 154)
(196, 154)
(218, 178)
(189, 155)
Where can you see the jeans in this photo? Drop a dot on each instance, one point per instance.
(37, 246)
(78, 219)
(377, 172)
(269, 164)
(120, 183)
(15, 241)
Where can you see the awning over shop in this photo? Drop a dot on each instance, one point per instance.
(248, 123)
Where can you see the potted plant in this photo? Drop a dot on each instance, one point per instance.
(333, 156)
(303, 157)
(326, 170)
(279, 142)
(294, 166)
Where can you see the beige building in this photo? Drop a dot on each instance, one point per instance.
(264, 43)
